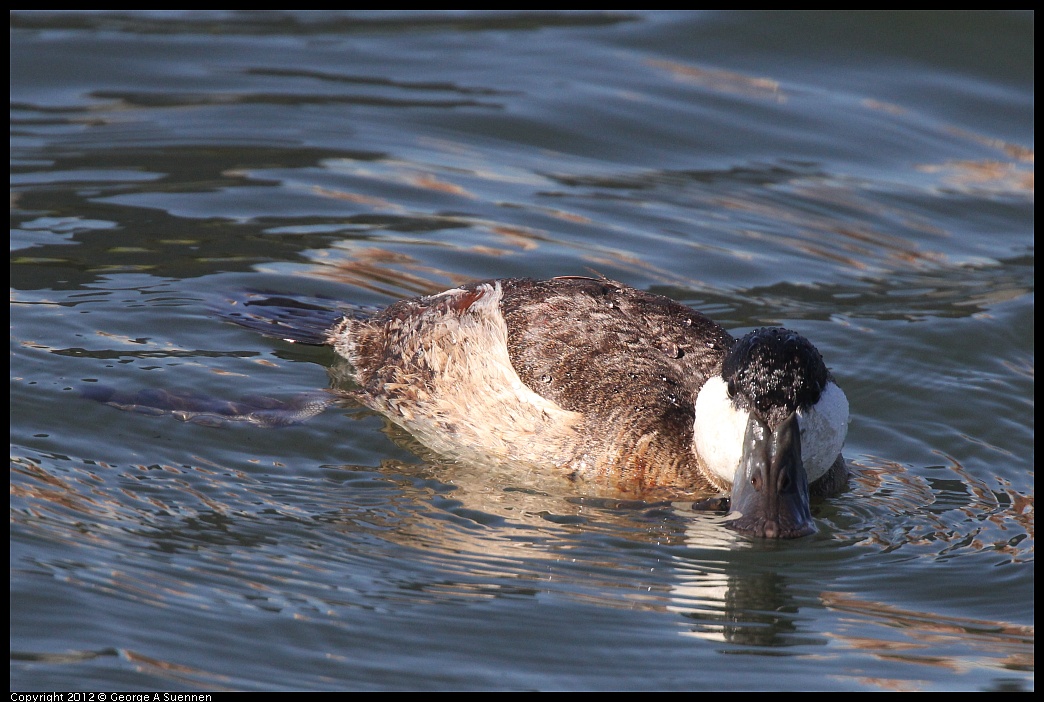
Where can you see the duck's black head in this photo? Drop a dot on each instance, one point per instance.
(773, 372)
(773, 422)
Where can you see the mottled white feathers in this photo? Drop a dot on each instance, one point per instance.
(447, 378)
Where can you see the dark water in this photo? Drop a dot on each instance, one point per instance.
(864, 178)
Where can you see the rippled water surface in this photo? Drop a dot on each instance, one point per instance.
(866, 179)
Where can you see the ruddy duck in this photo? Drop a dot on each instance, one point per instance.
(608, 385)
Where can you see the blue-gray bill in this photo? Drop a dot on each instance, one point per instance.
(770, 490)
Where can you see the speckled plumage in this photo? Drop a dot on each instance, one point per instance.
(584, 375)
(629, 361)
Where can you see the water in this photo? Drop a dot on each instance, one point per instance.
(864, 178)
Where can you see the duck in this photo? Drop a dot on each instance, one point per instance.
(610, 386)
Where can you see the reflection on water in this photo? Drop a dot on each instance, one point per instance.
(469, 532)
(921, 638)
(947, 514)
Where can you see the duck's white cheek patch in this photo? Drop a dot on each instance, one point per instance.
(824, 427)
(718, 431)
